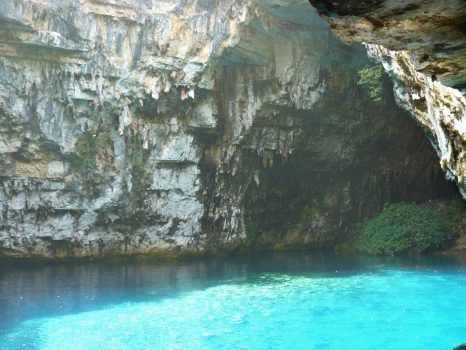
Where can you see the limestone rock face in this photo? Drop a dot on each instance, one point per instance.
(422, 44)
(441, 110)
(179, 126)
(431, 30)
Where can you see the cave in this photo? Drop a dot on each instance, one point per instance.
(232, 174)
(279, 137)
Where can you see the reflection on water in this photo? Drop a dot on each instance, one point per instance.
(263, 301)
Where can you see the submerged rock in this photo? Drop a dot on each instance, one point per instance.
(170, 127)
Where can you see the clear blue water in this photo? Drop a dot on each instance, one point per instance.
(287, 301)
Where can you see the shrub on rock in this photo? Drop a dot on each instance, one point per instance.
(404, 227)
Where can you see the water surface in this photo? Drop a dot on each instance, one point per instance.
(280, 301)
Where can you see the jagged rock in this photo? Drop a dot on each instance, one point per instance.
(422, 44)
(432, 31)
(441, 110)
(169, 127)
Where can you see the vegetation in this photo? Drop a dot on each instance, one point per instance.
(404, 227)
(83, 160)
(371, 78)
(137, 166)
(85, 154)
(90, 146)
(252, 231)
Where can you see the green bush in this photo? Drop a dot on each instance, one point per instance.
(252, 231)
(404, 227)
(371, 77)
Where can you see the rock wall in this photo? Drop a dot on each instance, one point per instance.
(441, 110)
(431, 30)
(172, 127)
(422, 44)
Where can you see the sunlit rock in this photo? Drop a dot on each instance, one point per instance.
(171, 127)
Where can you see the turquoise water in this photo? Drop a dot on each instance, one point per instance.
(295, 302)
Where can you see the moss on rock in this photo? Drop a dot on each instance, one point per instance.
(371, 77)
